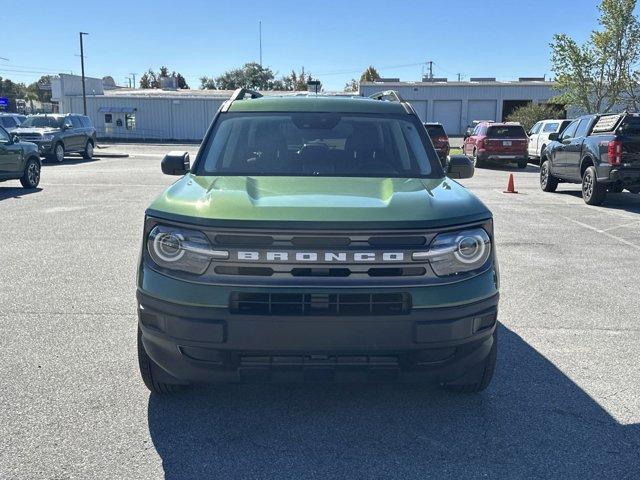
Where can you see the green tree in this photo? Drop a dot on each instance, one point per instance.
(151, 79)
(251, 75)
(600, 74)
(295, 81)
(529, 115)
(207, 83)
(41, 89)
(370, 75)
(352, 85)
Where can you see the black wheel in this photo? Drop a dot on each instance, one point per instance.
(477, 163)
(31, 176)
(523, 163)
(616, 188)
(633, 190)
(88, 150)
(58, 153)
(480, 376)
(593, 192)
(548, 183)
(147, 369)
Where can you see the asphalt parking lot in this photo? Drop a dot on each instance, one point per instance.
(565, 401)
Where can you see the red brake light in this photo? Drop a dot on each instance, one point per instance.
(615, 152)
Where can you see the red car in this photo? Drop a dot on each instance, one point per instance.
(497, 142)
(439, 139)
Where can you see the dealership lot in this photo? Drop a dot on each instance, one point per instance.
(564, 402)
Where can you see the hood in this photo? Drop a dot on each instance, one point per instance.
(35, 130)
(405, 202)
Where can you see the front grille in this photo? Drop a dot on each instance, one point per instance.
(30, 138)
(322, 304)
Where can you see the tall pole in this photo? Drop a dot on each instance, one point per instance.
(84, 93)
(260, 40)
(134, 79)
(430, 70)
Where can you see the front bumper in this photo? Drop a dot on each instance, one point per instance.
(209, 344)
(44, 146)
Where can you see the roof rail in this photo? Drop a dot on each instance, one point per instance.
(240, 94)
(388, 96)
(393, 96)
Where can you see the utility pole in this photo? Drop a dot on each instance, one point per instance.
(134, 79)
(430, 62)
(260, 39)
(459, 76)
(84, 93)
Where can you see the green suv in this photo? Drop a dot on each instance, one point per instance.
(19, 160)
(317, 238)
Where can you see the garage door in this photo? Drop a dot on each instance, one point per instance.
(481, 110)
(447, 112)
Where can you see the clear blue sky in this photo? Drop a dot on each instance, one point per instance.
(332, 39)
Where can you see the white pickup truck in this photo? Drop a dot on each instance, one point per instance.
(539, 135)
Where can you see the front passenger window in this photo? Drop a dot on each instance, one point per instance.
(570, 131)
(4, 136)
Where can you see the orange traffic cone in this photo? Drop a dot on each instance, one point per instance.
(511, 188)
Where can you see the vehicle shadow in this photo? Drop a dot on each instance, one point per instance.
(625, 201)
(533, 421)
(67, 161)
(16, 192)
(510, 168)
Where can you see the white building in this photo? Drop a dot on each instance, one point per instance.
(457, 104)
(171, 114)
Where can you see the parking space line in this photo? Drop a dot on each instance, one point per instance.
(603, 232)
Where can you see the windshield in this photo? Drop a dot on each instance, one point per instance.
(630, 126)
(323, 144)
(506, 131)
(42, 122)
(7, 122)
(435, 131)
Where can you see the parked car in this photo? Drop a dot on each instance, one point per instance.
(439, 139)
(539, 135)
(497, 142)
(470, 128)
(598, 151)
(57, 135)
(9, 122)
(18, 160)
(321, 241)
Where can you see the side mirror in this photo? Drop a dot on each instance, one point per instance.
(64, 127)
(15, 139)
(175, 163)
(459, 166)
(554, 136)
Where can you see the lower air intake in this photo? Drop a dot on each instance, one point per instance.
(334, 304)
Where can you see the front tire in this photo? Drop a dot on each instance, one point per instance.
(593, 192)
(58, 153)
(523, 163)
(88, 150)
(147, 369)
(480, 376)
(548, 183)
(31, 176)
(477, 163)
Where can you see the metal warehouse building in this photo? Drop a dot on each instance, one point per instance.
(457, 104)
(186, 114)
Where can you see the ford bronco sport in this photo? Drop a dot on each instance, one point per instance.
(317, 238)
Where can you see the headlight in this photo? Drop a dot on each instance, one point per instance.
(182, 249)
(457, 252)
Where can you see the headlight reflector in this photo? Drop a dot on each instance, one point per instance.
(457, 252)
(178, 248)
